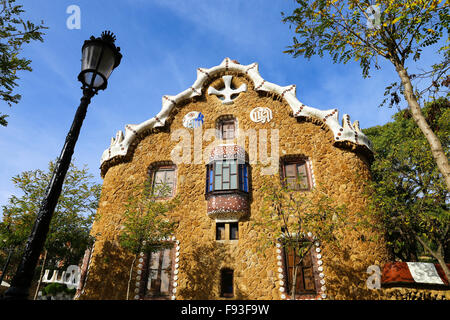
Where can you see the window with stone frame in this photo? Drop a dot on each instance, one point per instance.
(158, 273)
(227, 126)
(227, 231)
(305, 280)
(163, 180)
(295, 174)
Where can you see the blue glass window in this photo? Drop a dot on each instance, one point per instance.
(226, 175)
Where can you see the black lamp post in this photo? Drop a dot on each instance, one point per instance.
(100, 57)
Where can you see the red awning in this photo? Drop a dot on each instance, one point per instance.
(413, 274)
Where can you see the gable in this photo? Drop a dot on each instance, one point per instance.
(345, 134)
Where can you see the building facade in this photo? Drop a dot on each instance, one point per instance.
(213, 145)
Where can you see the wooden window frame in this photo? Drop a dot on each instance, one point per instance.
(156, 169)
(288, 272)
(145, 292)
(297, 162)
(226, 120)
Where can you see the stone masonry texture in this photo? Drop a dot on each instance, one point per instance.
(341, 171)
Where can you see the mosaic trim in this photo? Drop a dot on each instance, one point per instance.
(227, 151)
(346, 132)
(175, 271)
(317, 267)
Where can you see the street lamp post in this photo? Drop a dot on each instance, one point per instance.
(100, 57)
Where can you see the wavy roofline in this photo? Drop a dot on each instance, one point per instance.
(346, 132)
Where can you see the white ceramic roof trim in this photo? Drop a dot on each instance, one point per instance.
(352, 133)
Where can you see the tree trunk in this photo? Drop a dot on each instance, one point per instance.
(40, 276)
(436, 146)
(131, 274)
(294, 281)
(437, 256)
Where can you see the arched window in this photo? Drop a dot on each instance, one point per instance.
(226, 283)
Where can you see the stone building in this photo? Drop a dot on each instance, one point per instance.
(213, 144)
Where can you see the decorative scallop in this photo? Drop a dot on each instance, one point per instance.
(176, 266)
(345, 132)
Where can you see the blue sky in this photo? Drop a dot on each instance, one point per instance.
(163, 42)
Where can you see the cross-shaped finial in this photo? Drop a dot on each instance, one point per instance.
(227, 94)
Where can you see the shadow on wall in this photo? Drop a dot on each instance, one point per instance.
(202, 267)
(347, 270)
(108, 274)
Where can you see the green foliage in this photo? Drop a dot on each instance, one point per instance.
(146, 224)
(410, 193)
(53, 289)
(14, 33)
(68, 235)
(339, 28)
(296, 219)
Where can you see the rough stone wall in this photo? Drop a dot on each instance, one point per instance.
(341, 172)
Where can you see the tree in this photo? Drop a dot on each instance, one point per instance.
(297, 219)
(14, 33)
(410, 194)
(68, 236)
(146, 226)
(397, 31)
